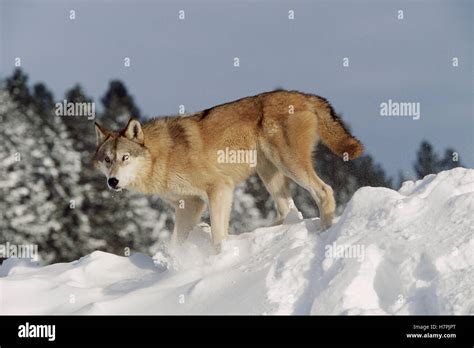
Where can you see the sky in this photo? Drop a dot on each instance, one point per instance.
(190, 62)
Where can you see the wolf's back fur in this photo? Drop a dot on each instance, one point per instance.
(282, 127)
(253, 122)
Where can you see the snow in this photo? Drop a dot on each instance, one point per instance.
(405, 252)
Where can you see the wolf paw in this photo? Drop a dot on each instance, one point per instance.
(326, 222)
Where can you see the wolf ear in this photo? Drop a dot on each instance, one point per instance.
(101, 133)
(134, 131)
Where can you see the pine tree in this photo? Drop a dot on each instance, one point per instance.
(42, 99)
(252, 207)
(17, 86)
(429, 162)
(426, 160)
(119, 106)
(81, 128)
(39, 190)
(450, 160)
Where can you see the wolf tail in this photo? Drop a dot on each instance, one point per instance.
(333, 132)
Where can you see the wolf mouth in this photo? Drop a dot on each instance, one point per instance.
(116, 189)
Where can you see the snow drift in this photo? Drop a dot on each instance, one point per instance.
(405, 252)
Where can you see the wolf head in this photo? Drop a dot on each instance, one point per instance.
(121, 155)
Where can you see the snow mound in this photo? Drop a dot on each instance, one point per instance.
(405, 252)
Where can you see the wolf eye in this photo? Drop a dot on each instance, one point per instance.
(107, 159)
(125, 157)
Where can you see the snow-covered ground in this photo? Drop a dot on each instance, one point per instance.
(406, 252)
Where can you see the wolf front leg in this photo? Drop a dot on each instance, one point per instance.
(220, 203)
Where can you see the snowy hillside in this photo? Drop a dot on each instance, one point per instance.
(406, 252)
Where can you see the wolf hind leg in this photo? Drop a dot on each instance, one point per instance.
(321, 193)
(278, 185)
(295, 161)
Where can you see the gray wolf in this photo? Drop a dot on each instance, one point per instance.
(197, 160)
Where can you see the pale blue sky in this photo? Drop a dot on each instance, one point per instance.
(190, 62)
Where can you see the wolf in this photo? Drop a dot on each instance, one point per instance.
(181, 158)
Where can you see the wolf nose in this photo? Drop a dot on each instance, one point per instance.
(113, 182)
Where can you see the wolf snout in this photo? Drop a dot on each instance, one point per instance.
(113, 182)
